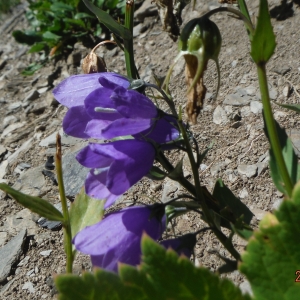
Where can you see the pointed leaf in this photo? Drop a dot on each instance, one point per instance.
(294, 107)
(290, 159)
(35, 204)
(85, 211)
(177, 172)
(108, 21)
(273, 253)
(244, 10)
(263, 43)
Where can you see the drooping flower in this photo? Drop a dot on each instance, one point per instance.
(102, 107)
(115, 167)
(117, 238)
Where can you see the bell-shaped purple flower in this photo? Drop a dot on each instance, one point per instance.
(117, 238)
(101, 107)
(115, 167)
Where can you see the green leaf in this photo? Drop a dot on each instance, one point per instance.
(156, 173)
(50, 36)
(273, 254)
(30, 70)
(162, 275)
(294, 107)
(108, 21)
(79, 23)
(290, 159)
(245, 12)
(27, 37)
(61, 7)
(263, 43)
(83, 15)
(177, 172)
(37, 47)
(35, 204)
(85, 211)
(230, 203)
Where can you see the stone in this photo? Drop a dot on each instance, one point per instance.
(46, 253)
(294, 134)
(259, 213)
(256, 107)
(243, 193)
(277, 203)
(28, 286)
(236, 100)
(50, 141)
(31, 96)
(169, 190)
(3, 168)
(31, 182)
(286, 91)
(261, 167)
(3, 238)
(9, 120)
(16, 222)
(14, 106)
(246, 288)
(10, 253)
(245, 111)
(250, 90)
(147, 9)
(12, 127)
(248, 170)
(25, 146)
(220, 116)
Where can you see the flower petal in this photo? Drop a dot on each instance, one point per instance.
(100, 98)
(113, 80)
(94, 128)
(73, 90)
(162, 131)
(90, 159)
(75, 121)
(132, 104)
(124, 174)
(96, 189)
(124, 126)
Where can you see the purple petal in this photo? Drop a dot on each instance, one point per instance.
(124, 126)
(162, 131)
(96, 189)
(94, 128)
(75, 121)
(100, 98)
(124, 174)
(90, 159)
(117, 237)
(73, 90)
(132, 104)
(113, 80)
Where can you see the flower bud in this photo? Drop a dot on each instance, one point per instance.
(200, 41)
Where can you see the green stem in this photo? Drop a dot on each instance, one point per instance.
(66, 223)
(271, 128)
(128, 43)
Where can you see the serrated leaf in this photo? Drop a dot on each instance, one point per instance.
(108, 21)
(273, 253)
(85, 211)
(35, 204)
(263, 43)
(162, 275)
(230, 203)
(290, 159)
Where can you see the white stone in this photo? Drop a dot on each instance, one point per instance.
(256, 107)
(46, 253)
(28, 286)
(220, 116)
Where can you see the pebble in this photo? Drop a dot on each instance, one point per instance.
(248, 170)
(46, 253)
(3, 238)
(220, 116)
(250, 90)
(169, 190)
(236, 100)
(9, 129)
(294, 134)
(28, 286)
(10, 253)
(246, 288)
(256, 107)
(277, 203)
(31, 96)
(286, 91)
(9, 120)
(243, 193)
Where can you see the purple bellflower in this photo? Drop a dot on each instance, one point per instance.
(117, 238)
(101, 107)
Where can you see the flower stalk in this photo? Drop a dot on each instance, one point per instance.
(66, 224)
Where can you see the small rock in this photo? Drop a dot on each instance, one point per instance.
(250, 90)
(277, 203)
(281, 71)
(10, 253)
(245, 111)
(286, 91)
(28, 286)
(3, 168)
(220, 116)
(246, 288)
(14, 106)
(244, 193)
(169, 190)
(261, 167)
(147, 9)
(9, 120)
(234, 63)
(256, 107)
(3, 238)
(11, 128)
(203, 167)
(236, 100)
(3, 151)
(236, 124)
(248, 170)
(31, 96)
(259, 214)
(294, 134)
(24, 261)
(46, 253)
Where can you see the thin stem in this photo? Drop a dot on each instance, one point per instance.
(128, 43)
(247, 22)
(270, 124)
(66, 224)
